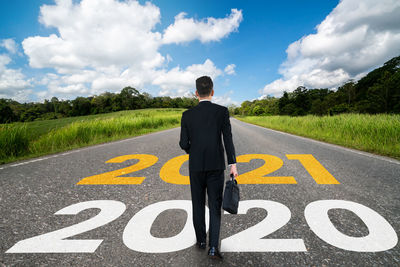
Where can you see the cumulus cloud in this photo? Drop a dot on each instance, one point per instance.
(212, 29)
(230, 69)
(13, 83)
(95, 34)
(176, 81)
(108, 44)
(10, 45)
(225, 99)
(354, 38)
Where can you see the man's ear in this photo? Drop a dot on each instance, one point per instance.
(212, 92)
(197, 94)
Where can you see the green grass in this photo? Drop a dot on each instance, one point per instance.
(379, 134)
(32, 139)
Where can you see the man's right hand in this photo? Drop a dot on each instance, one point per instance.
(234, 170)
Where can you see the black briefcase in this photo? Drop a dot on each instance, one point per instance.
(231, 199)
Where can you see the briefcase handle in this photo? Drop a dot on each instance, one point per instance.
(233, 178)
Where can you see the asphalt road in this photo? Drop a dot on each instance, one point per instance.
(312, 220)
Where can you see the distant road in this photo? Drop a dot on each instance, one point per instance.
(326, 205)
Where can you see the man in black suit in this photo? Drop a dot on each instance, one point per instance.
(201, 129)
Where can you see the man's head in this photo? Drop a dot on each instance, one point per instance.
(204, 86)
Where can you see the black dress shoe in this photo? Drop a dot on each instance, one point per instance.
(201, 245)
(213, 253)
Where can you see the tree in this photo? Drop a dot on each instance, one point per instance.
(117, 103)
(231, 109)
(245, 107)
(31, 114)
(283, 101)
(6, 113)
(350, 91)
(81, 106)
(129, 97)
(54, 101)
(373, 77)
(47, 106)
(289, 109)
(65, 108)
(317, 108)
(257, 110)
(301, 100)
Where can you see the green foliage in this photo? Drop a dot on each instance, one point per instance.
(31, 114)
(337, 109)
(128, 99)
(257, 110)
(30, 139)
(377, 92)
(319, 107)
(373, 133)
(6, 112)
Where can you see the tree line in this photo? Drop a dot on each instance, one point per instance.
(377, 92)
(129, 98)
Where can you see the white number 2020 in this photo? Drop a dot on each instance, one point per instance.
(137, 234)
(53, 242)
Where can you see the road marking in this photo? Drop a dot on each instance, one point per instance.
(111, 177)
(55, 242)
(252, 239)
(314, 168)
(328, 144)
(258, 175)
(17, 164)
(170, 171)
(381, 235)
(137, 235)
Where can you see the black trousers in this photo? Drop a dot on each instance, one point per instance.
(212, 182)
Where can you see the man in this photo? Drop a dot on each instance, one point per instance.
(201, 129)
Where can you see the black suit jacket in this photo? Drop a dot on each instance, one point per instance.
(201, 129)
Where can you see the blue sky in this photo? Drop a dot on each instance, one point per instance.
(74, 55)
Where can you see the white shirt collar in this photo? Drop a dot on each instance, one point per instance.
(205, 100)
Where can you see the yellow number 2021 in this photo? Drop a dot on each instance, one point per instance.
(170, 171)
(111, 177)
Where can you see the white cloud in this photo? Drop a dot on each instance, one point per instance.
(212, 29)
(101, 45)
(225, 100)
(109, 44)
(230, 69)
(96, 34)
(10, 45)
(178, 82)
(354, 38)
(13, 83)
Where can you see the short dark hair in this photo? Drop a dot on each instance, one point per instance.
(204, 86)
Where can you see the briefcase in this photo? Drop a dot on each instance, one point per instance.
(231, 199)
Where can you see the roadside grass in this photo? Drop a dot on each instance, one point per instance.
(379, 134)
(33, 139)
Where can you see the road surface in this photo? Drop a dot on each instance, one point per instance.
(303, 203)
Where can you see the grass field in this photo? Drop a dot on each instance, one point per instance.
(379, 134)
(38, 138)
